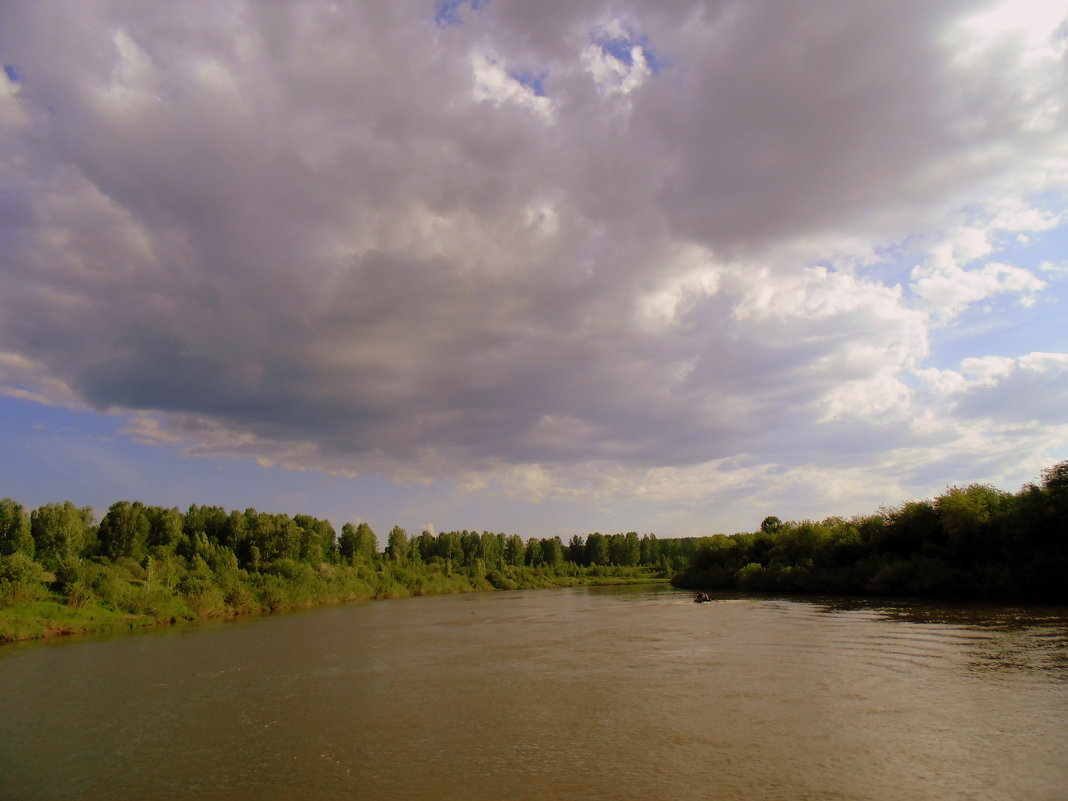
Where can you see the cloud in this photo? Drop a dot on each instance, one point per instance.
(1032, 388)
(494, 83)
(945, 285)
(355, 238)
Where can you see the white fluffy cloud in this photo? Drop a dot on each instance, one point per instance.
(949, 281)
(582, 251)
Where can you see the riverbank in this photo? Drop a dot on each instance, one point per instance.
(51, 618)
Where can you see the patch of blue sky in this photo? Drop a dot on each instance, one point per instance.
(447, 12)
(49, 443)
(892, 265)
(997, 326)
(1005, 325)
(17, 415)
(534, 81)
(1032, 249)
(82, 456)
(14, 73)
(621, 47)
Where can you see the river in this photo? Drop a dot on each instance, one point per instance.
(587, 693)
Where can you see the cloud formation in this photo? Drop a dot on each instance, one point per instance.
(566, 248)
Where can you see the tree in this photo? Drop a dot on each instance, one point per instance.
(397, 547)
(649, 550)
(427, 546)
(533, 556)
(60, 530)
(235, 531)
(1055, 485)
(471, 543)
(165, 527)
(967, 516)
(1055, 479)
(576, 550)
(770, 524)
(514, 550)
(15, 536)
(597, 549)
(212, 521)
(908, 528)
(276, 536)
(124, 531)
(346, 543)
(491, 550)
(366, 543)
(318, 540)
(552, 552)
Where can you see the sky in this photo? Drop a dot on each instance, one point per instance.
(544, 268)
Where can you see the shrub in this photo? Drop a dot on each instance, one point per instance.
(20, 580)
(500, 581)
(79, 594)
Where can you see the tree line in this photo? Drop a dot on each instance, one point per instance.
(159, 563)
(143, 564)
(970, 542)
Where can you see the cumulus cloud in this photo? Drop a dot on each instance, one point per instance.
(567, 250)
(950, 281)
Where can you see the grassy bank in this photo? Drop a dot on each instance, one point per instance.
(135, 604)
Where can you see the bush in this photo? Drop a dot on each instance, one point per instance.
(79, 594)
(500, 581)
(272, 592)
(21, 580)
(69, 570)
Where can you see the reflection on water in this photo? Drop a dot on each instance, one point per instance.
(1003, 638)
(630, 692)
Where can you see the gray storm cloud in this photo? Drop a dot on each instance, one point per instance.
(358, 234)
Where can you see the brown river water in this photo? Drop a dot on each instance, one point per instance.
(588, 693)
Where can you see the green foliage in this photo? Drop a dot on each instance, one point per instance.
(357, 544)
(397, 547)
(771, 524)
(597, 549)
(15, 536)
(124, 531)
(501, 581)
(973, 541)
(21, 579)
(60, 530)
(514, 550)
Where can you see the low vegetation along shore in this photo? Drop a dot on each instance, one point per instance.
(145, 565)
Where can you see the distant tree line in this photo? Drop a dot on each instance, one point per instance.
(163, 564)
(970, 542)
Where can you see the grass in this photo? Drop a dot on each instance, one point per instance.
(39, 619)
(31, 620)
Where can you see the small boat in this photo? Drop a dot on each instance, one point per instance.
(702, 598)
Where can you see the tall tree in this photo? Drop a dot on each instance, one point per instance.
(514, 550)
(650, 550)
(597, 549)
(397, 545)
(533, 556)
(552, 552)
(164, 527)
(15, 536)
(491, 550)
(124, 531)
(366, 543)
(60, 530)
(576, 550)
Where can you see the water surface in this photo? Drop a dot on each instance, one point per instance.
(608, 693)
